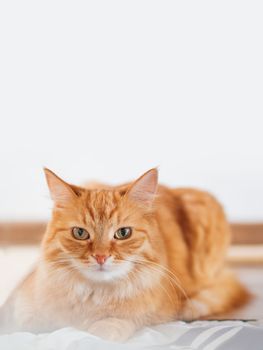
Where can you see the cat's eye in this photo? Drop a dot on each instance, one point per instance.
(123, 233)
(80, 233)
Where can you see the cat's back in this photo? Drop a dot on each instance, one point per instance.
(195, 229)
(191, 206)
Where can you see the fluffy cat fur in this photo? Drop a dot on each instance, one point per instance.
(171, 267)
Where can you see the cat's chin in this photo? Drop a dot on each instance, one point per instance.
(107, 273)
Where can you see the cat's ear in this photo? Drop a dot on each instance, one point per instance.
(60, 191)
(143, 190)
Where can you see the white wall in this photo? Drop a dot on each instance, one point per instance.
(108, 89)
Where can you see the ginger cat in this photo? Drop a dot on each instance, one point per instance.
(115, 259)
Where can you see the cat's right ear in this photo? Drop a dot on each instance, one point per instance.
(60, 191)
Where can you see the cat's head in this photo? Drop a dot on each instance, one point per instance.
(105, 234)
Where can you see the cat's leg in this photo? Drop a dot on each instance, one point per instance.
(113, 329)
(223, 295)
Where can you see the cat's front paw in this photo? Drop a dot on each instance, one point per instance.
(194, 309)
(112, 329)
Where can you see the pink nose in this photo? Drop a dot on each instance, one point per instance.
(100, 258)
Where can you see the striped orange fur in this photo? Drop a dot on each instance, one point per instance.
(170, 266)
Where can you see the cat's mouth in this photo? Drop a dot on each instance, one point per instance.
(106, 272)
(102, 268)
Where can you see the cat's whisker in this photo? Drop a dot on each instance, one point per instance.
(169, 272)
(161, 286)
(135, 276)
(166, 273)
(162, 273)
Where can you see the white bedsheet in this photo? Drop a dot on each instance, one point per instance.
(205, 335)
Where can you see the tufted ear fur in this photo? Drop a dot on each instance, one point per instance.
(60, 191)
(143, 190)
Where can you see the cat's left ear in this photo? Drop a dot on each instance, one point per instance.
(60, 191)
(143, 190)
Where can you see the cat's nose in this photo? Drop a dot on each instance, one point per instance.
(100, 258)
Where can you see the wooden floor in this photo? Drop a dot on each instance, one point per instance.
(24, 233)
